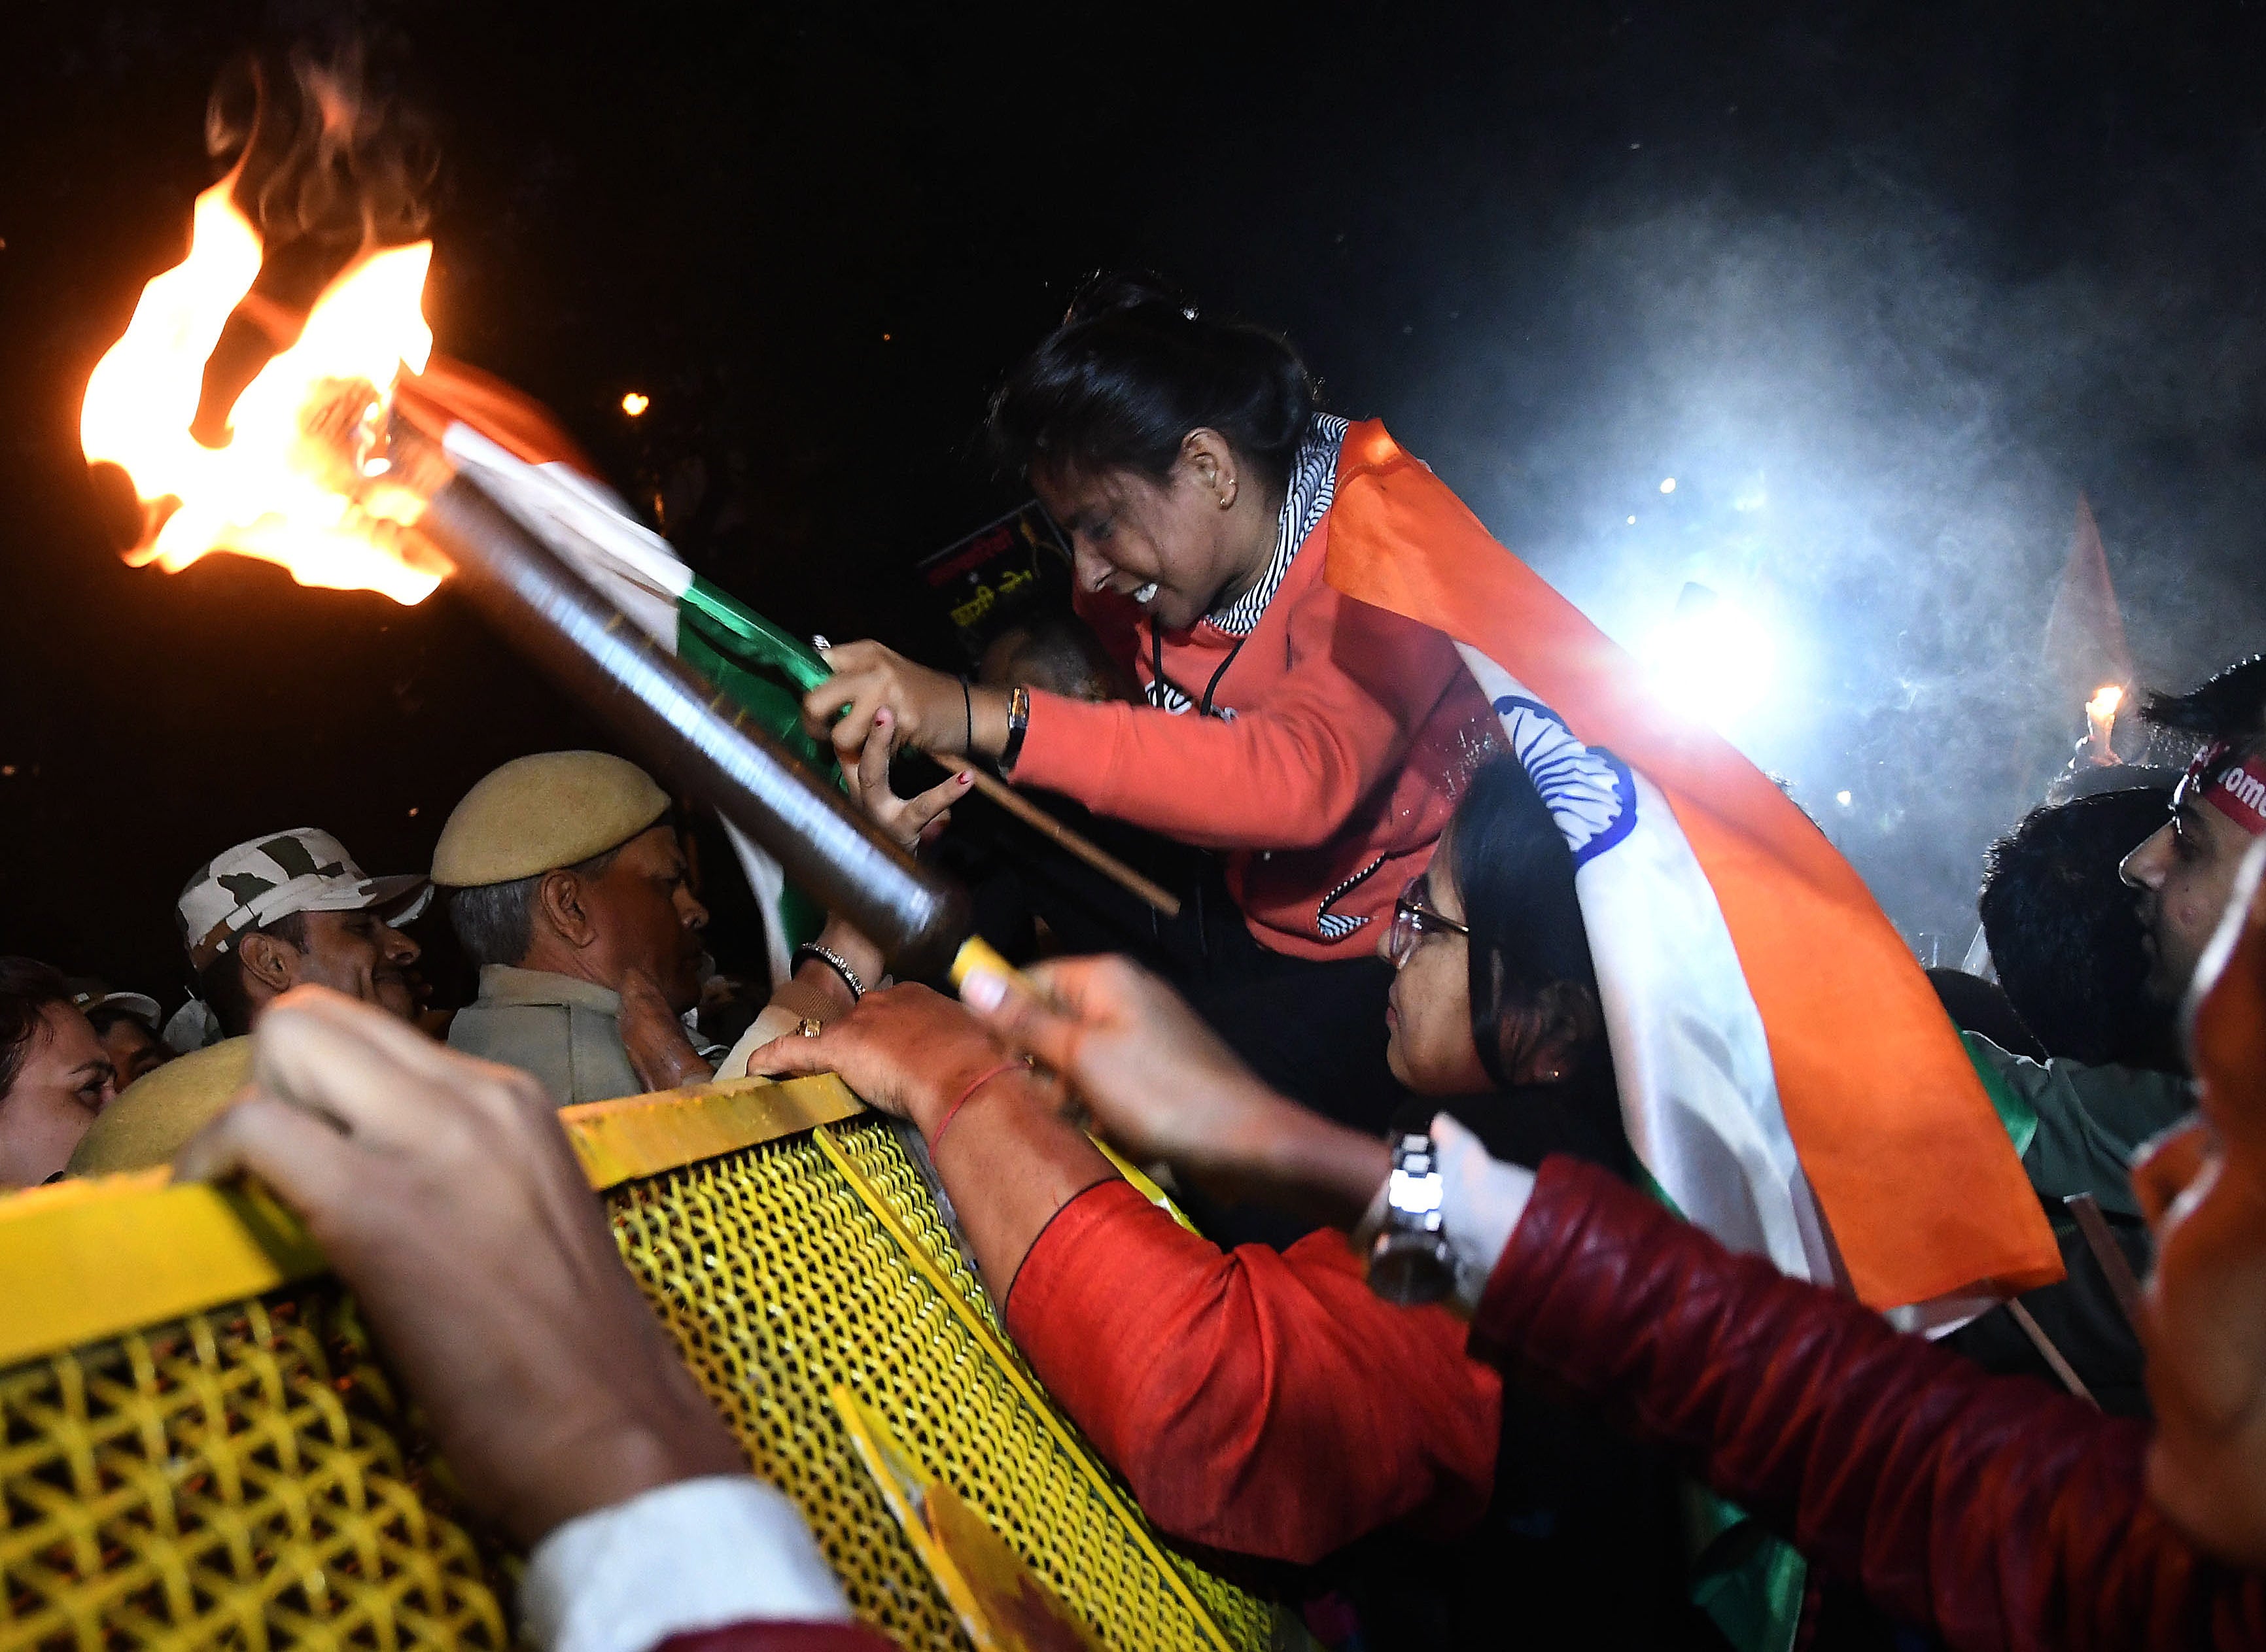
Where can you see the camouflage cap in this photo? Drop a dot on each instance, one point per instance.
(263, 878)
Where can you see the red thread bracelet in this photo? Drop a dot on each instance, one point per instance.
(952, 1112)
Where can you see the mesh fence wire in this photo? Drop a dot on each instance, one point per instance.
(247, 1477)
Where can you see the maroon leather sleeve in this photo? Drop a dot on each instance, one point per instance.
(781, 1637)
(1996, 1510)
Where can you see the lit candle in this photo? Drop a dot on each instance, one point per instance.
(2101, 723)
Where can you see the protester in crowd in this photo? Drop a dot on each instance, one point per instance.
(287, 910)
(2064, 940)
(128, 1024)
(443, 1192)
(1994, 1512)
(1316, 743)
(568, 888)
(2183, 871)
(1266, 1403)
(55, 1075)
(2070, 950)
(1990, 1509)
(1060, 653)
(291, 909)
(2093, 976)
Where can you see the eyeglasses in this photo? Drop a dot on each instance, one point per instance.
(1412, 920)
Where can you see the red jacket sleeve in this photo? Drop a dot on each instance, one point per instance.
(1286, 773)
(1263, 1403)
(2001, 1513)
(765, 1636)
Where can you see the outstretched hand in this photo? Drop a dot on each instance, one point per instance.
(444, 1193)
(1158, 1081)
(1159, 1084)
(909, 821)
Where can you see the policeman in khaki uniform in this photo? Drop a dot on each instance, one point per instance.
(568, 888)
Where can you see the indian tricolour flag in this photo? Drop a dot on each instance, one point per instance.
(510, 446)
(1788, 1079)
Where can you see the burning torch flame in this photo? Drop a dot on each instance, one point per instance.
(2101, 722)
(270, 490)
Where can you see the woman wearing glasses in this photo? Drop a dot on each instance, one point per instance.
(1266, 1403)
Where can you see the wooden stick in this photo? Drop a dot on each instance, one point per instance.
(2044, 1343)
(2107, 1252)
(1084, 848)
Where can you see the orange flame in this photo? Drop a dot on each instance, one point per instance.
(2103, 706)
(267, 491)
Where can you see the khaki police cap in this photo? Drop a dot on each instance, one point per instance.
(150, 1119)
(556, 808)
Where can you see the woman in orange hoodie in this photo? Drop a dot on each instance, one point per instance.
(1318, 744)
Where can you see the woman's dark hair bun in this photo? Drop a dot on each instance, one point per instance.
(1133, 369)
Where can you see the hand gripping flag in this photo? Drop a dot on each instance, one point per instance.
(536, 471)
(1788, 1079)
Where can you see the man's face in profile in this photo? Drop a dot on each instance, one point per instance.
(647, 918)
(2184, 874)
(361, 955)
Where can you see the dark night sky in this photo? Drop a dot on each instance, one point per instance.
(1884, 286)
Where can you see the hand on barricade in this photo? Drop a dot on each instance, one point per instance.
(445, 1194)
(905, 1050)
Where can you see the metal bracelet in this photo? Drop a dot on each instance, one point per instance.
(834, 961)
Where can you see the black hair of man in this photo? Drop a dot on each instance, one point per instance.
(495, 922)
(27, 987)
(220, 983)
(1132, 369)
(2064, 936)
(2231, 706)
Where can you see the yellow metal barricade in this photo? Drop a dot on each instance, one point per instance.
(188, 1464)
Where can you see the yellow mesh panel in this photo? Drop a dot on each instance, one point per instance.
(878, 1160)
(238, 1477)
(244, 1476)
(781, 1277)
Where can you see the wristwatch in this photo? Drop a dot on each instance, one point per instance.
(1410, 1262)
(1019, 724)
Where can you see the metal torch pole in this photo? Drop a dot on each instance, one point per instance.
(695, 734)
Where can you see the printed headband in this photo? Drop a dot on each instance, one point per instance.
(2231, 782)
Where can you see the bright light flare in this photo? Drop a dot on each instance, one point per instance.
(2105, 700)
(1711, 659)
(269, 491)
(1668, 485)
(634, 405)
